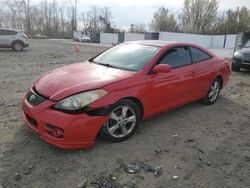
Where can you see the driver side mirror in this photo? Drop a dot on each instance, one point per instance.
(162, 68)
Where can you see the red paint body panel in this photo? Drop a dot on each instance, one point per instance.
(157, 93)
(64, 81)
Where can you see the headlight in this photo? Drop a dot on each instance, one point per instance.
(78, 101)
(237, 55)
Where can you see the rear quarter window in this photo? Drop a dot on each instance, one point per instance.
(199, 55)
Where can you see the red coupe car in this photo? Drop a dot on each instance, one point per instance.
(113, 92)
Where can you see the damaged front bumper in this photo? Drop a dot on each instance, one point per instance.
(61, 129)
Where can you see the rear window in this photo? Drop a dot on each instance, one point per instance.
(199, 55)
(7, 32)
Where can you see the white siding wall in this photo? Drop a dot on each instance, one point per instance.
(230, 41)
(208, 41)
(203, 40)
(133, 36)
(108, 38)
(217, 41)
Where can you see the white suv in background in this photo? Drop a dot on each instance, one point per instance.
(15, 39)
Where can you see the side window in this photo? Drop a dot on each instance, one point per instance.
(7, 32)
(177, 57)
(10, 32)
(2, 32)
(199, 55)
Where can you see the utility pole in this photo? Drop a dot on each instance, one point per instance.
(237, 20)
(75, 15)
(226, 30)
(132, 28)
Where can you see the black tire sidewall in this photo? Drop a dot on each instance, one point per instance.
(13, 46)
(104, 131)
(235, 68)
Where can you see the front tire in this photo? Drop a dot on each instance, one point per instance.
(213, 92)
(124, 118)
(17, 46)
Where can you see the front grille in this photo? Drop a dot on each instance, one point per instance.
(34, 98)
(248, 62)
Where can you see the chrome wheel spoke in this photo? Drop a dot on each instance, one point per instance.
(113, 128)
(114, 116)
(210, 94)
(124, 111)
(124, 130)
(131, 119)
(214, 91)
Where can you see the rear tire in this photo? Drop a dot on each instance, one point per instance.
(213, 92)
(124, 118)
(235, 68)
(17, 46)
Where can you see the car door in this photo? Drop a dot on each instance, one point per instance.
(2, 37)
(7, 37)
(205, 65)
(168, 90)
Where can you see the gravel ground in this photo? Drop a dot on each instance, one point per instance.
(192, 146)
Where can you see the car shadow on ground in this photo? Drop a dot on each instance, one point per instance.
(146, 128)
(3, 50)
(167, 130)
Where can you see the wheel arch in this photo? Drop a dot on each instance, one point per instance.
(137, 102)
(13, 42)
(221, 80)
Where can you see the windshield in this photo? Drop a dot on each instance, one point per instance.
(247, 44)
(127, 56)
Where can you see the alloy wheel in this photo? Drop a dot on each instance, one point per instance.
(122, 121)
(214, 91)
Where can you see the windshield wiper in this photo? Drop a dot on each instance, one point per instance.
(108, 65)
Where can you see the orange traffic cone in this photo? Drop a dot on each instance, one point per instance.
(77, 49)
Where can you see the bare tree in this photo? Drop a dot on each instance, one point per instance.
(139, 28)
(93, 14)
(105, 18)
(198, 16)
(85, 21)
(163, 20)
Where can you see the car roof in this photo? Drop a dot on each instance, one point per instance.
(163, 44)
(10, 29)
(160, 43)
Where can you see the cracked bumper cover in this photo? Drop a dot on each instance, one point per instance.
(80, 130)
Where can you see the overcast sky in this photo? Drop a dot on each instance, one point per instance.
(126, 12)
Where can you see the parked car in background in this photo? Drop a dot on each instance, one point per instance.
(39, 36)
(113, 92)
(241, 57)
(76, 34)
(84, 38)
(15, 39)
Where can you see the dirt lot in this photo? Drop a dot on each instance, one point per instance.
(193, 146)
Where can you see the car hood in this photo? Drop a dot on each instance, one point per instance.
(243, 53)
(62, 82)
